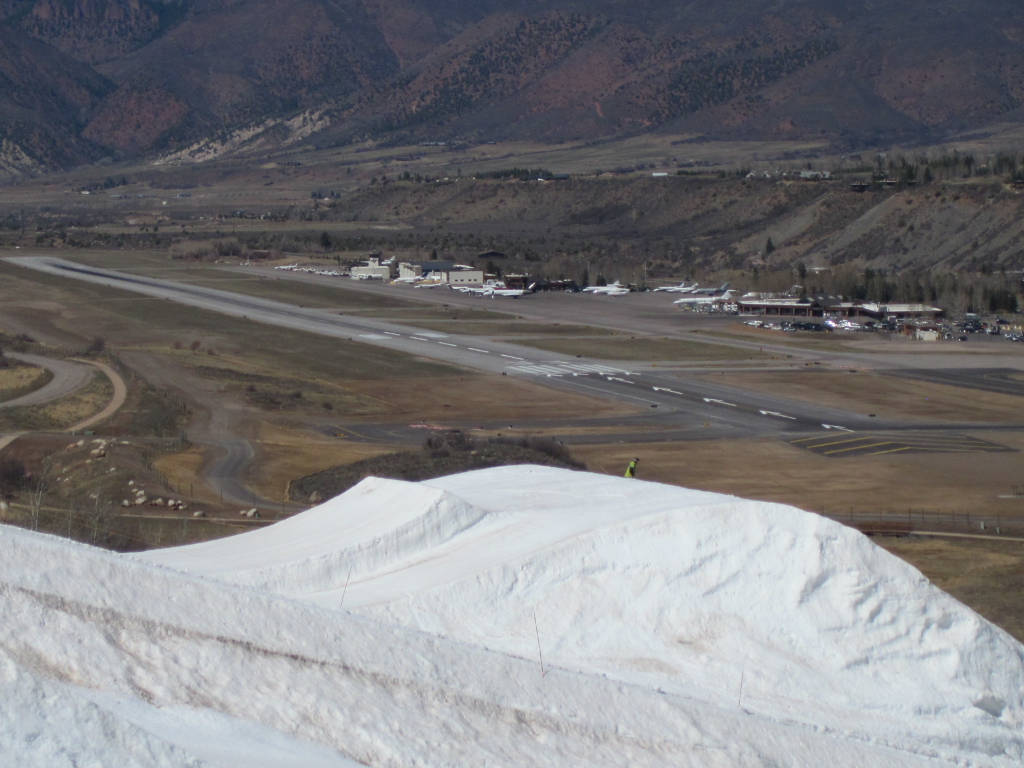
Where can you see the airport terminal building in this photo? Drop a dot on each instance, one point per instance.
(848, 310)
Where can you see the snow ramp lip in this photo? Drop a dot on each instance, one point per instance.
(345, 538)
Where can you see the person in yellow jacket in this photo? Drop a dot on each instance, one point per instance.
(631, 468)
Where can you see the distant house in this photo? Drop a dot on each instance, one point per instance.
(464, 277)
(912, 311)
(850, 310)
(372, 270)
(441, 272)
(770, 307)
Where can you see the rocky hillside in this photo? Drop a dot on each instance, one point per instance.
(766, 233)
(159, 75)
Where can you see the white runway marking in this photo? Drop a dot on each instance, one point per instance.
(670, 391)
(559, 368)
(716, 401)
(777, 415)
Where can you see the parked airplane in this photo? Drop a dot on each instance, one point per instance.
(491, 288)
(681, 288)
(509, 293)
(704, 298)
(612, 289)
(711, 291)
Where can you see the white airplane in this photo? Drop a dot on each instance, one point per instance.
(681, 288)
(491, 288)
(711, 291)
(509, 293)
(695, 300)
(612, 289)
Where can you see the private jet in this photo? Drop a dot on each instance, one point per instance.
(492, 288)
(612, 289)
(681, 288)
(705, 298)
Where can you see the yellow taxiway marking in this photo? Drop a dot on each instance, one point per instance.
(841, 442)
(860, 447)
(870, 444)
(893, 450)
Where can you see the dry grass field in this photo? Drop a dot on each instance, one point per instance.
(18, 379)
(774, 470)
(888, 397)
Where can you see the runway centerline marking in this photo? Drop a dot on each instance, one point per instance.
(670, 391)
(777, 415)
(716, 401)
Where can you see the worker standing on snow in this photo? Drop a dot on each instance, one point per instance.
(631, 468)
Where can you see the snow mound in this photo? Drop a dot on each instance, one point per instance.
(372, 528)
(519, 615)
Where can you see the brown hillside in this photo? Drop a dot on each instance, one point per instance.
(851, 74)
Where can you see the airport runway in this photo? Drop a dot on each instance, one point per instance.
(680, 401)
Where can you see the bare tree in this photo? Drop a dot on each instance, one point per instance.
(12, 477)
(98, 515)
(36, 496)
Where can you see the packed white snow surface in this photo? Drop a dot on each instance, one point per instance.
(511, 616)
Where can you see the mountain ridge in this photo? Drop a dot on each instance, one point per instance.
(177, 72)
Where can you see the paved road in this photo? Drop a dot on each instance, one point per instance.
(71, 383)
(68, 376)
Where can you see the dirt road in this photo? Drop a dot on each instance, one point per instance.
(120, 394)
(73, 374)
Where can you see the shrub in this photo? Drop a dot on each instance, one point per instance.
(13, 477)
